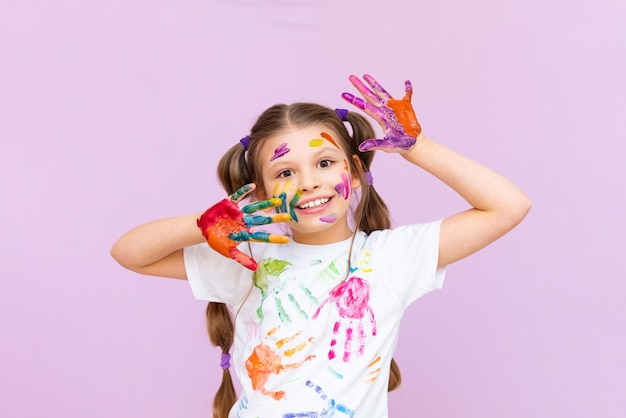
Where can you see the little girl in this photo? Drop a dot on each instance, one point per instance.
(317, 310)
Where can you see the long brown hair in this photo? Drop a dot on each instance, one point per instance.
(240, 166)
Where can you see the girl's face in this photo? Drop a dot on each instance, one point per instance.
(310, 172)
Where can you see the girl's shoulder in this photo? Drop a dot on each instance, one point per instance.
(404, 234)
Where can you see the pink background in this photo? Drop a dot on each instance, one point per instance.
(115, 112)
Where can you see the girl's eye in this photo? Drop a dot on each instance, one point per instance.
(286, 173)
(324, 163)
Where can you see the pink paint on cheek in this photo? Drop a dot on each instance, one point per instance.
(343, 188)
(332, 218)
(280, 151)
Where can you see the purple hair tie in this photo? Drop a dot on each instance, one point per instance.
(245, 141)
(225, 362)
(369, 178)
(342, 113)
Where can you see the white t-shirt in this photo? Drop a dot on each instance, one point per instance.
(311, 338)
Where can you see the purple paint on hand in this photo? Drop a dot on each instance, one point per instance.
(280, 151)
(396, 117)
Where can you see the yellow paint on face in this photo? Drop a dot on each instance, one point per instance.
(317, 142)
(284, 187)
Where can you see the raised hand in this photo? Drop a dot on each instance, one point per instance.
(225, 225)
(396, 117)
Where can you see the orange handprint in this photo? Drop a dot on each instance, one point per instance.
(264, 362)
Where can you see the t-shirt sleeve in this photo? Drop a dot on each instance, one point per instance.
(408, 255)
(214, 277)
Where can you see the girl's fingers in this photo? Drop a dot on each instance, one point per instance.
(242, 192)
(368, 108)
(260, 205)
(352, 99)
(408, 90)
(243, 259)
(373, 144)
(380, 90)
(260, 236)
(280, 217)
(365, 91)
(256, 220)
(403, 143)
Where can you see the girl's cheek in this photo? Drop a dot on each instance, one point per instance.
(343, 188)
(285, 188)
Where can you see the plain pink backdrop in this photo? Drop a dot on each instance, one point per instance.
(115, 112)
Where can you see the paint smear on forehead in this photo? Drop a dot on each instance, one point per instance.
(332, 218)
(280, 151)
(343, 188)
(329, 138)
(317, 142)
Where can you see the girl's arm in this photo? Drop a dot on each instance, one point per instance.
(497, 204)
(156, 248)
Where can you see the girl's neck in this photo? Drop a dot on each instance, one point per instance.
(322, 237)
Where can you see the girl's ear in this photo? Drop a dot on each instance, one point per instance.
(356, 177)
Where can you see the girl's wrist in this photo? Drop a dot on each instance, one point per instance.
(416, 148)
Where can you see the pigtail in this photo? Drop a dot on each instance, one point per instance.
(221, 333)
(372, 213)
(232, 169)
(233, 172)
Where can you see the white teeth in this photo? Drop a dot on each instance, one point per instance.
(314, 203)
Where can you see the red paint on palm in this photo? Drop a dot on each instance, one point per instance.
(218, 223)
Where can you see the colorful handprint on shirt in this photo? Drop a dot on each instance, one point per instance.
(285, 302)
(332, 408)
(351, 299)
(265, 362)
(396, 117)
(225, 225)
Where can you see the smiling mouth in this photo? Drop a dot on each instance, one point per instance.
(314, 203)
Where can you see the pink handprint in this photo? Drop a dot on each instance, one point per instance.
(351, 298)
(225, 225)
(396, 117)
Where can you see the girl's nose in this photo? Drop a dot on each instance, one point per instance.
(308, 182)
